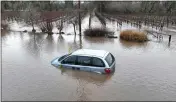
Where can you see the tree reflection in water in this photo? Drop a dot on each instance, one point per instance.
(49, 43)
(32, 45)
(73, 46)
(61, 45)
(80, 42)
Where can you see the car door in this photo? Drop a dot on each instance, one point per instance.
(98, 65)
(84, 63)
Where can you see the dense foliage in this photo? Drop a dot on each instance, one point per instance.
(149, 7)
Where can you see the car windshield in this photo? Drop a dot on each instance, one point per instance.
(63, 57)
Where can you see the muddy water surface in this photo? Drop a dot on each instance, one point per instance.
(144, 71)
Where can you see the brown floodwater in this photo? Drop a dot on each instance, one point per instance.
(144, 71)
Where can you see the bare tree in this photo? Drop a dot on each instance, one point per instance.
(90, 10)
(74, 22)
(31, 15)
(59, 25)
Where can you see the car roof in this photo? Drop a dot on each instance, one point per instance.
(90, 52)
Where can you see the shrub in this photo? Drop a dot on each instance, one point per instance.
(4, 26)
(96, 32)
(46, 27)
(133, 35)
(59, 26)
(42, 27)
(49, 26)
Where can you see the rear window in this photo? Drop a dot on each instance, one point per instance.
(97, 62)
(109, 59)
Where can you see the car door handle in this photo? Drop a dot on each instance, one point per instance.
(75, 68)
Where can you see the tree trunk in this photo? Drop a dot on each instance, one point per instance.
(50, 6)
(60, 31)
(80, 42)
(167, 20)
(79, 17)
(152, 7)
(33, 30)
(74, 28)
(90, 19)
(61, 26)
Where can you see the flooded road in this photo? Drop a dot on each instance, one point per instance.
(144, 71)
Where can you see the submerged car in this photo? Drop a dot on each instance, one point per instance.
(98, 61)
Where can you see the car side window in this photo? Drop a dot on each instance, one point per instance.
(97, 62)
(63, 57)
(69, 60)
(84, 60)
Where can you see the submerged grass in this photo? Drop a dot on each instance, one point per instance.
(133, 35)
(96, 32)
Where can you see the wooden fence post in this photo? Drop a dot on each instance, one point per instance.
(169, 38)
